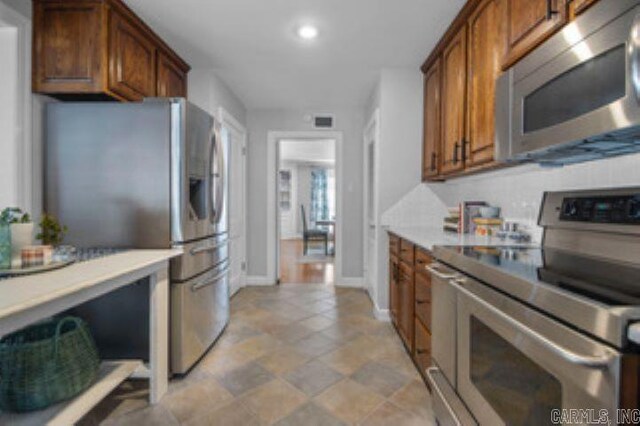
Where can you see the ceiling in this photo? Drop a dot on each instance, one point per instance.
(308, 151)
(252, 45)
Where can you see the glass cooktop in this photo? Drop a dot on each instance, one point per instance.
(611, 283)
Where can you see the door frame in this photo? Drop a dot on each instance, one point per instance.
(28, 156)
(371, 136)
(273, 220)
(230, 122)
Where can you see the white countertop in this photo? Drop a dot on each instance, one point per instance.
(22, 293)
(428, 238)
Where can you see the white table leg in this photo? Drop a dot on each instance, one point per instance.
(159, 334)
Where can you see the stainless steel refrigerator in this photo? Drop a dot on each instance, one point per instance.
(145, 175)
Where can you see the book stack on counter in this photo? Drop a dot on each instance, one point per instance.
(452, 221)
(469, 211)
(487, 227)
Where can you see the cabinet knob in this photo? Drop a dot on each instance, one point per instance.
(456, 148)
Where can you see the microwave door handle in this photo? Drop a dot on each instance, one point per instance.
(634, 55)
(597, 362)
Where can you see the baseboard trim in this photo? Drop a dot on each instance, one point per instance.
(259, 280)
(351, 282)
(381, 314)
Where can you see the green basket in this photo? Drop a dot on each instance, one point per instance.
(46, 363)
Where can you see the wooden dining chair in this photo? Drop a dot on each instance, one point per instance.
(310, 235)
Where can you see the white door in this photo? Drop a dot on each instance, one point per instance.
(370, 219)
(237, 205)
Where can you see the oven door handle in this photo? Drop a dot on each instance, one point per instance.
(597, 362)
(433, 269)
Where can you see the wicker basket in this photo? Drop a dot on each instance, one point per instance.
(46, 363)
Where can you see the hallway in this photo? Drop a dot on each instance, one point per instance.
(292, 355)
(312, 269)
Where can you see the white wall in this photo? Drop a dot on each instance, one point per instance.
(9, 141)
(517, 190)
(348, 121)
(209, 92)
(398, 96)
(21, 134)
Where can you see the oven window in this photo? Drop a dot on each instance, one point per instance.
(519, 390)
(587, 87)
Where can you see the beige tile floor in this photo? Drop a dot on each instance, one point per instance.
(292, 355)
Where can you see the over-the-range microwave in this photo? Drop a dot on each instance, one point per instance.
(577, 96)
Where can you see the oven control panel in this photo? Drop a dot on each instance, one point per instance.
(614, 209)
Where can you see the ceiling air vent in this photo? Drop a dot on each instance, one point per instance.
(323, 121)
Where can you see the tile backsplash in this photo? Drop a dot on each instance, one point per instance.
(517, 190)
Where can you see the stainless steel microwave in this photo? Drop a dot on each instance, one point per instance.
(577, 96)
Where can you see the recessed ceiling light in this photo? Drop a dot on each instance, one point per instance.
(307, 32)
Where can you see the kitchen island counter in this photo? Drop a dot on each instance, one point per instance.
(28, 299)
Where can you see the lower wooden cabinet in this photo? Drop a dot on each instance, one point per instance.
(406, 305)
(410, 298)
(422, 350)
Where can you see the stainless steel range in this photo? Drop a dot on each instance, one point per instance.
(522, 335)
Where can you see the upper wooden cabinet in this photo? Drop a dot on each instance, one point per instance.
(486, 43)
(132, 60)
(60, 64)
(576, 7)
(454, 75)
(99, 49)
(431, 148)
(529, 23)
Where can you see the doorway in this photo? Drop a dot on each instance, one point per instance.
(307, 210)
(234, 136)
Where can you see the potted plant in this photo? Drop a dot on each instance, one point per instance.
(20, 233)
(51, 232)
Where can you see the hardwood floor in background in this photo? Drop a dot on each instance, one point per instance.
(303, 273)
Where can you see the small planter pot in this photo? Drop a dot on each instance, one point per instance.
(5, 247)
(22, 235)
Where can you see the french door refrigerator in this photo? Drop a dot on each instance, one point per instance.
(149, 175)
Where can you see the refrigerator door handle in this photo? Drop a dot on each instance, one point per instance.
(218, 176)
(210, 281)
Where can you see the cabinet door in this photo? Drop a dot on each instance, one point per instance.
(393, 289)
(431, 127)
(405, 305)
(454, 70)
(67, 48)
(132, 67)
(171, 79)
(529, 23)
(576, 7)
(422, 288)
(422, 351)
(485, 48)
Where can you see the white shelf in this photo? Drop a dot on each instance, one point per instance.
(111, 374)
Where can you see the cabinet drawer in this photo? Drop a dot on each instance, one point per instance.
(423, 258)
(422, 351)
(394, 244)
(423, 299)
(407, 252)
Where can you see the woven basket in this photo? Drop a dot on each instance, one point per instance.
(46, 363)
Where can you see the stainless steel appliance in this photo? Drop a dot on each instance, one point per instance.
(146, 175)
(577, 96)
(520, 333)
